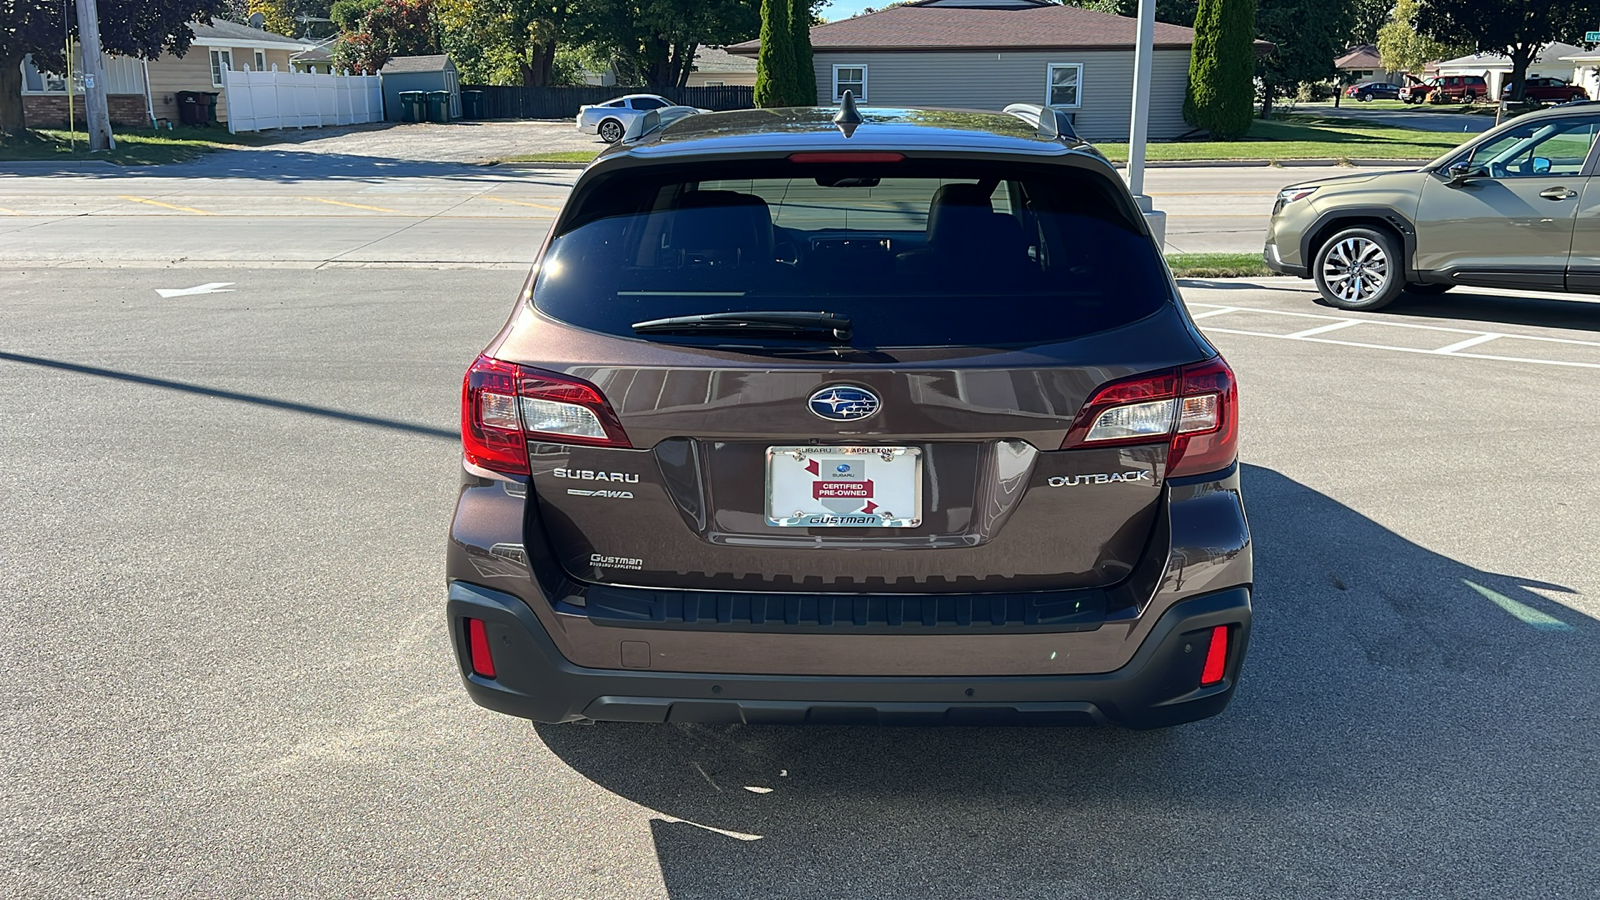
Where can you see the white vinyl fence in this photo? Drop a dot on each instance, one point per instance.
(260, 100)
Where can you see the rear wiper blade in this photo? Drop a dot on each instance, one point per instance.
(773, 323)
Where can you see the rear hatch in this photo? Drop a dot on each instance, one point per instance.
(865, 376)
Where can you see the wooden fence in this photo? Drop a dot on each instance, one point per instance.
(511, 102)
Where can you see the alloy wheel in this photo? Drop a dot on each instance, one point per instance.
(1355, 270)
(610, 131)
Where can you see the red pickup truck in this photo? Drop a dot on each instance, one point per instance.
(1447, 89)
(1549, 90)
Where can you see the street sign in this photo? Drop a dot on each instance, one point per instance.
(1592, 37)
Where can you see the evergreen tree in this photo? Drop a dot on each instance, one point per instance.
(805, 77)
(1222, 68)
(775, 60)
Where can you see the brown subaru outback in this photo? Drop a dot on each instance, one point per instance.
(890, 416)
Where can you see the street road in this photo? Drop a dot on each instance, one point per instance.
(224, 513)
(302, 208)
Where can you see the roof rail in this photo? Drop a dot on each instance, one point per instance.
(655, 120)
(1052, 123)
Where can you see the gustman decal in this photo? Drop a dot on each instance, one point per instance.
(1102, 478)
(589, 475)
(601, 561)
(841, 520)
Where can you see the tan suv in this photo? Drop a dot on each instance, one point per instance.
(1514, 207)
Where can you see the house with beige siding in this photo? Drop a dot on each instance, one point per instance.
(140, 92)
(986, 54)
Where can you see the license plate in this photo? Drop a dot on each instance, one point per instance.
(844, 487)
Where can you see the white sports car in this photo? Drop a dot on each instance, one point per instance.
(610, 120)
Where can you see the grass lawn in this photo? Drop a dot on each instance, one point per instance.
(134, 146)
(566, 156)
(1305, 136)
(1217, 265)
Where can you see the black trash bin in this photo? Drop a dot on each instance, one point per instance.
(438, 106)
(472, 104)
(412, 106)
(190, 110)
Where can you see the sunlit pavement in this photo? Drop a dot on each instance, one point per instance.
(225, 514)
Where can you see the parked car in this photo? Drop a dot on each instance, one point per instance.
(1501, 210)
(1379, 90)
(1549, 90)
(1447, 89)
(610, 120)
(871, 418)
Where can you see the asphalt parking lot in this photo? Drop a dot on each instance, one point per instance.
(225, 514)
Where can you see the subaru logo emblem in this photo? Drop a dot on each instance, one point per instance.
(843, 403)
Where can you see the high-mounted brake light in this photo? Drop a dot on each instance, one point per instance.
(1216, 657)
(1193, 408)
(848, 156)
(504, 406)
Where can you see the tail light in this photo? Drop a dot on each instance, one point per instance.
(1216, 657)
(504, 406)
(1194, 409)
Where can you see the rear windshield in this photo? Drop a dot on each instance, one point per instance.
(913, 253)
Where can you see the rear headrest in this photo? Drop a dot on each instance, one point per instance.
(722, 228)
(957, 208)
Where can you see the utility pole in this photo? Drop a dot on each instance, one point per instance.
(1143, 58)
(97, 113)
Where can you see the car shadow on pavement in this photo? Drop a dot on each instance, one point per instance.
(1575, 312)
(1406, 724)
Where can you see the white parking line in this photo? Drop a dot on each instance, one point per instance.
(1472, 338)
(1323, 329)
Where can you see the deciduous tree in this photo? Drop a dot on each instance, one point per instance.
(1220, 68)
(137, 28)
(1402, 49)
(390, 28)
(1309, 35)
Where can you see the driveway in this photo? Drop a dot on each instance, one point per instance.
(458, 142)
(1460, 123)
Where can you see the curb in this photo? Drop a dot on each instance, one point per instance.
(535, 165)
(1156, 164)
(63, 164)
(1274, 163)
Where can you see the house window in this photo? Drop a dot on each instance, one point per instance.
(221, 61)
(716, 84)
(261, 61)
(1062, 85)
(849, 78)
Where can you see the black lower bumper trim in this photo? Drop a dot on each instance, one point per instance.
(1157, 687)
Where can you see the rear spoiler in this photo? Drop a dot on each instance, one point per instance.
(655, 120)
(1052, 123)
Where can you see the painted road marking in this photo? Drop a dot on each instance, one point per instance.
(187, 209)
(351, 205)
(215, 287)
(1469, 342)
(521, 202)
(1454, 349)
(1324, 329)
(1522, 611)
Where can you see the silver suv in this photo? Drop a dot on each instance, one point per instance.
(1516, 207)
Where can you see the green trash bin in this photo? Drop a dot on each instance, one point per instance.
(472, 104)
(209, 99)
(438, 106)
(411, 106)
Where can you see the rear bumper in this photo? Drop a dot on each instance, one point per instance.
(1157, 687)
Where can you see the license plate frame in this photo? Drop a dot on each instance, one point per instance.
(845, 487)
